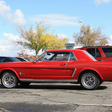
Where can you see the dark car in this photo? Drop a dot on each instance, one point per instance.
(8, 59)
(101, 53)
(21, 59)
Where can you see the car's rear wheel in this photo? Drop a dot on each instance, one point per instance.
(89, 80)
(9, 80)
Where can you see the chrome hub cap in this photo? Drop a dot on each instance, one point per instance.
(89, 80)
(9, 80)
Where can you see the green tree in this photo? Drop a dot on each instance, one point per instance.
(90, 37)
(40, 38)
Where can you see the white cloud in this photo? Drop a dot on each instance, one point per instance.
(9, 48)
(17, 17)
(13, 38)
(101, 1)
(62, 36)
(57, 19)
(3, 8)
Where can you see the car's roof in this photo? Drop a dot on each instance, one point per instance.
(63, 50)
(96, 47)
(6, 57)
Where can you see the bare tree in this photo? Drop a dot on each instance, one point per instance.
(90, 37)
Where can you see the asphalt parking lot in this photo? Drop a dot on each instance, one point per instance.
(56, 98)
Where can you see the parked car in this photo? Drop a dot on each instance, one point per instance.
(21, 59)
(101, 53)
(4, 59)
(59, 66)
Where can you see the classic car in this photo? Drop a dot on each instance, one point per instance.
(58, 66)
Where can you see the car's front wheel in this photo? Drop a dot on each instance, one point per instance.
(9, 80)
(89, 80)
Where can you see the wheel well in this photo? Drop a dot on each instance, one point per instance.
(6, 71)
(85, 71)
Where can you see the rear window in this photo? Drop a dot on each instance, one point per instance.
(107, 51)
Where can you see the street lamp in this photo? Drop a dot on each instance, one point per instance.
(80, 21)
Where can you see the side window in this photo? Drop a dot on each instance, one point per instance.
(7, 60)
(2, 60)
(94, 52)
(61, 57)
(107, 51)
(58, 56)
(97, 53)
(91, 51)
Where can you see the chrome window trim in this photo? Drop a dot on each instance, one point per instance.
(46, 80)
(73, 72)
(69, 57)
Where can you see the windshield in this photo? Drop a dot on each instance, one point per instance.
(90, 56)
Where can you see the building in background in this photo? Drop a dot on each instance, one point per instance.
(69, 45)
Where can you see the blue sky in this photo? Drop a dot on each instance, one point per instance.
(61, 15)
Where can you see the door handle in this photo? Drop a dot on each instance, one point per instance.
(63, 64)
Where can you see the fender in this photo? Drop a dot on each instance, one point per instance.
(10, 69)
(92, 69)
